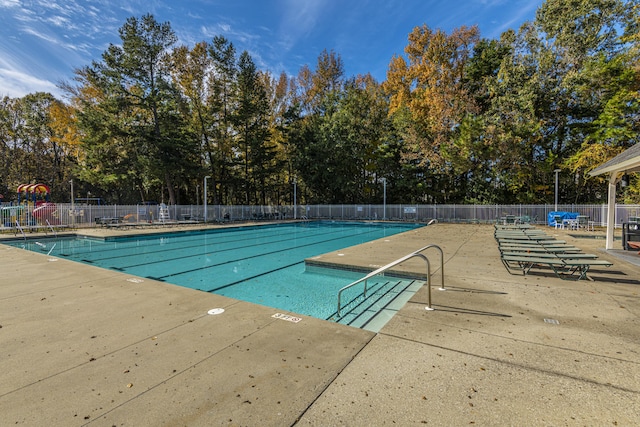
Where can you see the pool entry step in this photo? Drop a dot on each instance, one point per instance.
(384, 299)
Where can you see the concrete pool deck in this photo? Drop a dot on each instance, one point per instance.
(86, 346)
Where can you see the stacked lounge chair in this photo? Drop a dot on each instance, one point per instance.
(525, 248)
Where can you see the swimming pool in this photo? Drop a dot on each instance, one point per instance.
(260, 264)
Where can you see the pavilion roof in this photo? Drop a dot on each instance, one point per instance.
(627, 161)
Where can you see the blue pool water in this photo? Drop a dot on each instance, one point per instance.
(260, 264)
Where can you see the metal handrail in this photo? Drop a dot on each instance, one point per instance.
(393, 264)
(24, 236)
(52, 248)
(442, 287)
(51, 227)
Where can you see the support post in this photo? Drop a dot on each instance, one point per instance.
(384, 200)
(205, 198)
(557, 171)
(611, 210)
(295, 197)
(73, 210)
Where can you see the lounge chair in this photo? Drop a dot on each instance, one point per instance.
(533, 242)
(526, 232)
(549, 255)
(518, 226)
(536, 237)
(526, 249)
(559, 249)
(564, 268)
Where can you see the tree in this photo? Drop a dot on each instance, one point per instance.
(223, 89)
(610, 81)
(325, 80)
(32, 146)
(473, 152)
(134, 78)
(597, 81)
(111, 160)
(192, 72)
(280, 94)
(318, 151)
(359, 129)
(429, 99)
(459, 118)
(251, 121)
(431, 86)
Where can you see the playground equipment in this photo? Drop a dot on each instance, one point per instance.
(37, 196)
(46, 213)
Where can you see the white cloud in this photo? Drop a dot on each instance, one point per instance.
(235, 36)
(58, 21)
(518, 16)
(299, 19)
(16, 84)
(9, 3)
(210, 31)
(68, 43)
(46, 37)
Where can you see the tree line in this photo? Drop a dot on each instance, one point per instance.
(459, 118)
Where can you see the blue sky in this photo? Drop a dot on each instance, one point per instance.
(43, 41)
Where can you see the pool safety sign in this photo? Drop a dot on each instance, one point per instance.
(287, 317)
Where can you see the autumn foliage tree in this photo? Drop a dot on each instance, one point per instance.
(459, 118)
(430, 85)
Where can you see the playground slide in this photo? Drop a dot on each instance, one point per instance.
(46, 211)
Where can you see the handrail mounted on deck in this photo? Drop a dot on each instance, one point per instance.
(393, 264)
(18, 227)
(51, 227)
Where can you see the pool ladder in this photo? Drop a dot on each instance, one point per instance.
(42, 245)
(381, 270)
(19, 227)
(52, 229)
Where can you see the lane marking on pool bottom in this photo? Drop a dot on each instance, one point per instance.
(287, 317)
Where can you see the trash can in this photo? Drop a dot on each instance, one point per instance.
(630, 233)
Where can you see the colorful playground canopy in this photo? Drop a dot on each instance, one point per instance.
(33, 188)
